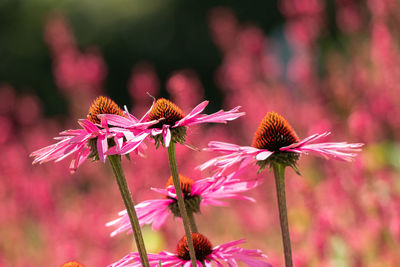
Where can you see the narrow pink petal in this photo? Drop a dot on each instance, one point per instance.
(89, 126)
(74, 163)
(166, 135)
(218, 117)
(338, 150)
(116, 120)
(188, 118)
(264, 155)
(118, 143)
(222, 147)
(144, 118)
(153, 211)
(129, 115)
(102, 147)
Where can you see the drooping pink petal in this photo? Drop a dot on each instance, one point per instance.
(75, 142)
(116, 120)
(264, 155)
(149, 212)
(337, 150)
(166, 133)
(192, 115)
(129, 146)
(89, 126)
(220, 116)
(211, 190)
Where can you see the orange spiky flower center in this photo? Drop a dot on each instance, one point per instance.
(273, 133)
(72, 264)
(185, 182)
(192, 202)
(202, 247)
(103, 105)
(164, 108)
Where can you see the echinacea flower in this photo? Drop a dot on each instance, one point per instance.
(172, 122)
(72, 264)
(204, 192)
(92, 141)
(276, 141)
(227, 253)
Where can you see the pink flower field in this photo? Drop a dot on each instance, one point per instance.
(340, 213)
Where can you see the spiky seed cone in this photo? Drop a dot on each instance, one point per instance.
(72, 264)
(103, 105)
(192, 202)
(273, 133)
(164, 108)
(202, 247)
(186, 184)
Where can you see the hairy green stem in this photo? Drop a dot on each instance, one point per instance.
(279, 172)
(181, 203)
(115, 162)
(192, 222)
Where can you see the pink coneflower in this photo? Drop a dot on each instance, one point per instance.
(204, 192)
(173, 122)
(227, 253)
(276, 145)
(275, 140)
(92, 141)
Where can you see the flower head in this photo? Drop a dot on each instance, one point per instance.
(168, 122)
(173, 122)
(204, 192)
(72, 264)
(276, 141)
(103, 105)
(166, 110)
(273, 133)
(227, 253)
(92, 141)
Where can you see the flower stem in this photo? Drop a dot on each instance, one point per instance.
(192, 222)
(181, 203)
(115, 162)
(279, 172)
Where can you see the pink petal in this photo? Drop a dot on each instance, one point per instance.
(338, 150)
(188, 118)
(166, 135)
(264, 155)
(102, 147)
(89, 126)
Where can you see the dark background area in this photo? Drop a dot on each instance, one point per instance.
(172, 35)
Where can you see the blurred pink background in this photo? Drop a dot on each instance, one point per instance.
(340, 214)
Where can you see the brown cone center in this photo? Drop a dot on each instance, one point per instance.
(273, 133)
(164, 108)
(202, 247)
(103, 105)
(185, 182)
(72, 264)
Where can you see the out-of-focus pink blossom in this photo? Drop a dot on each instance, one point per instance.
(185, 88)
(209, 191)
(227, 253)
(143, 81)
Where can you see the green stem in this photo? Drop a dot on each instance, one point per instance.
(192, 222)
(279, 172)
(181, 203)
(115, 161)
